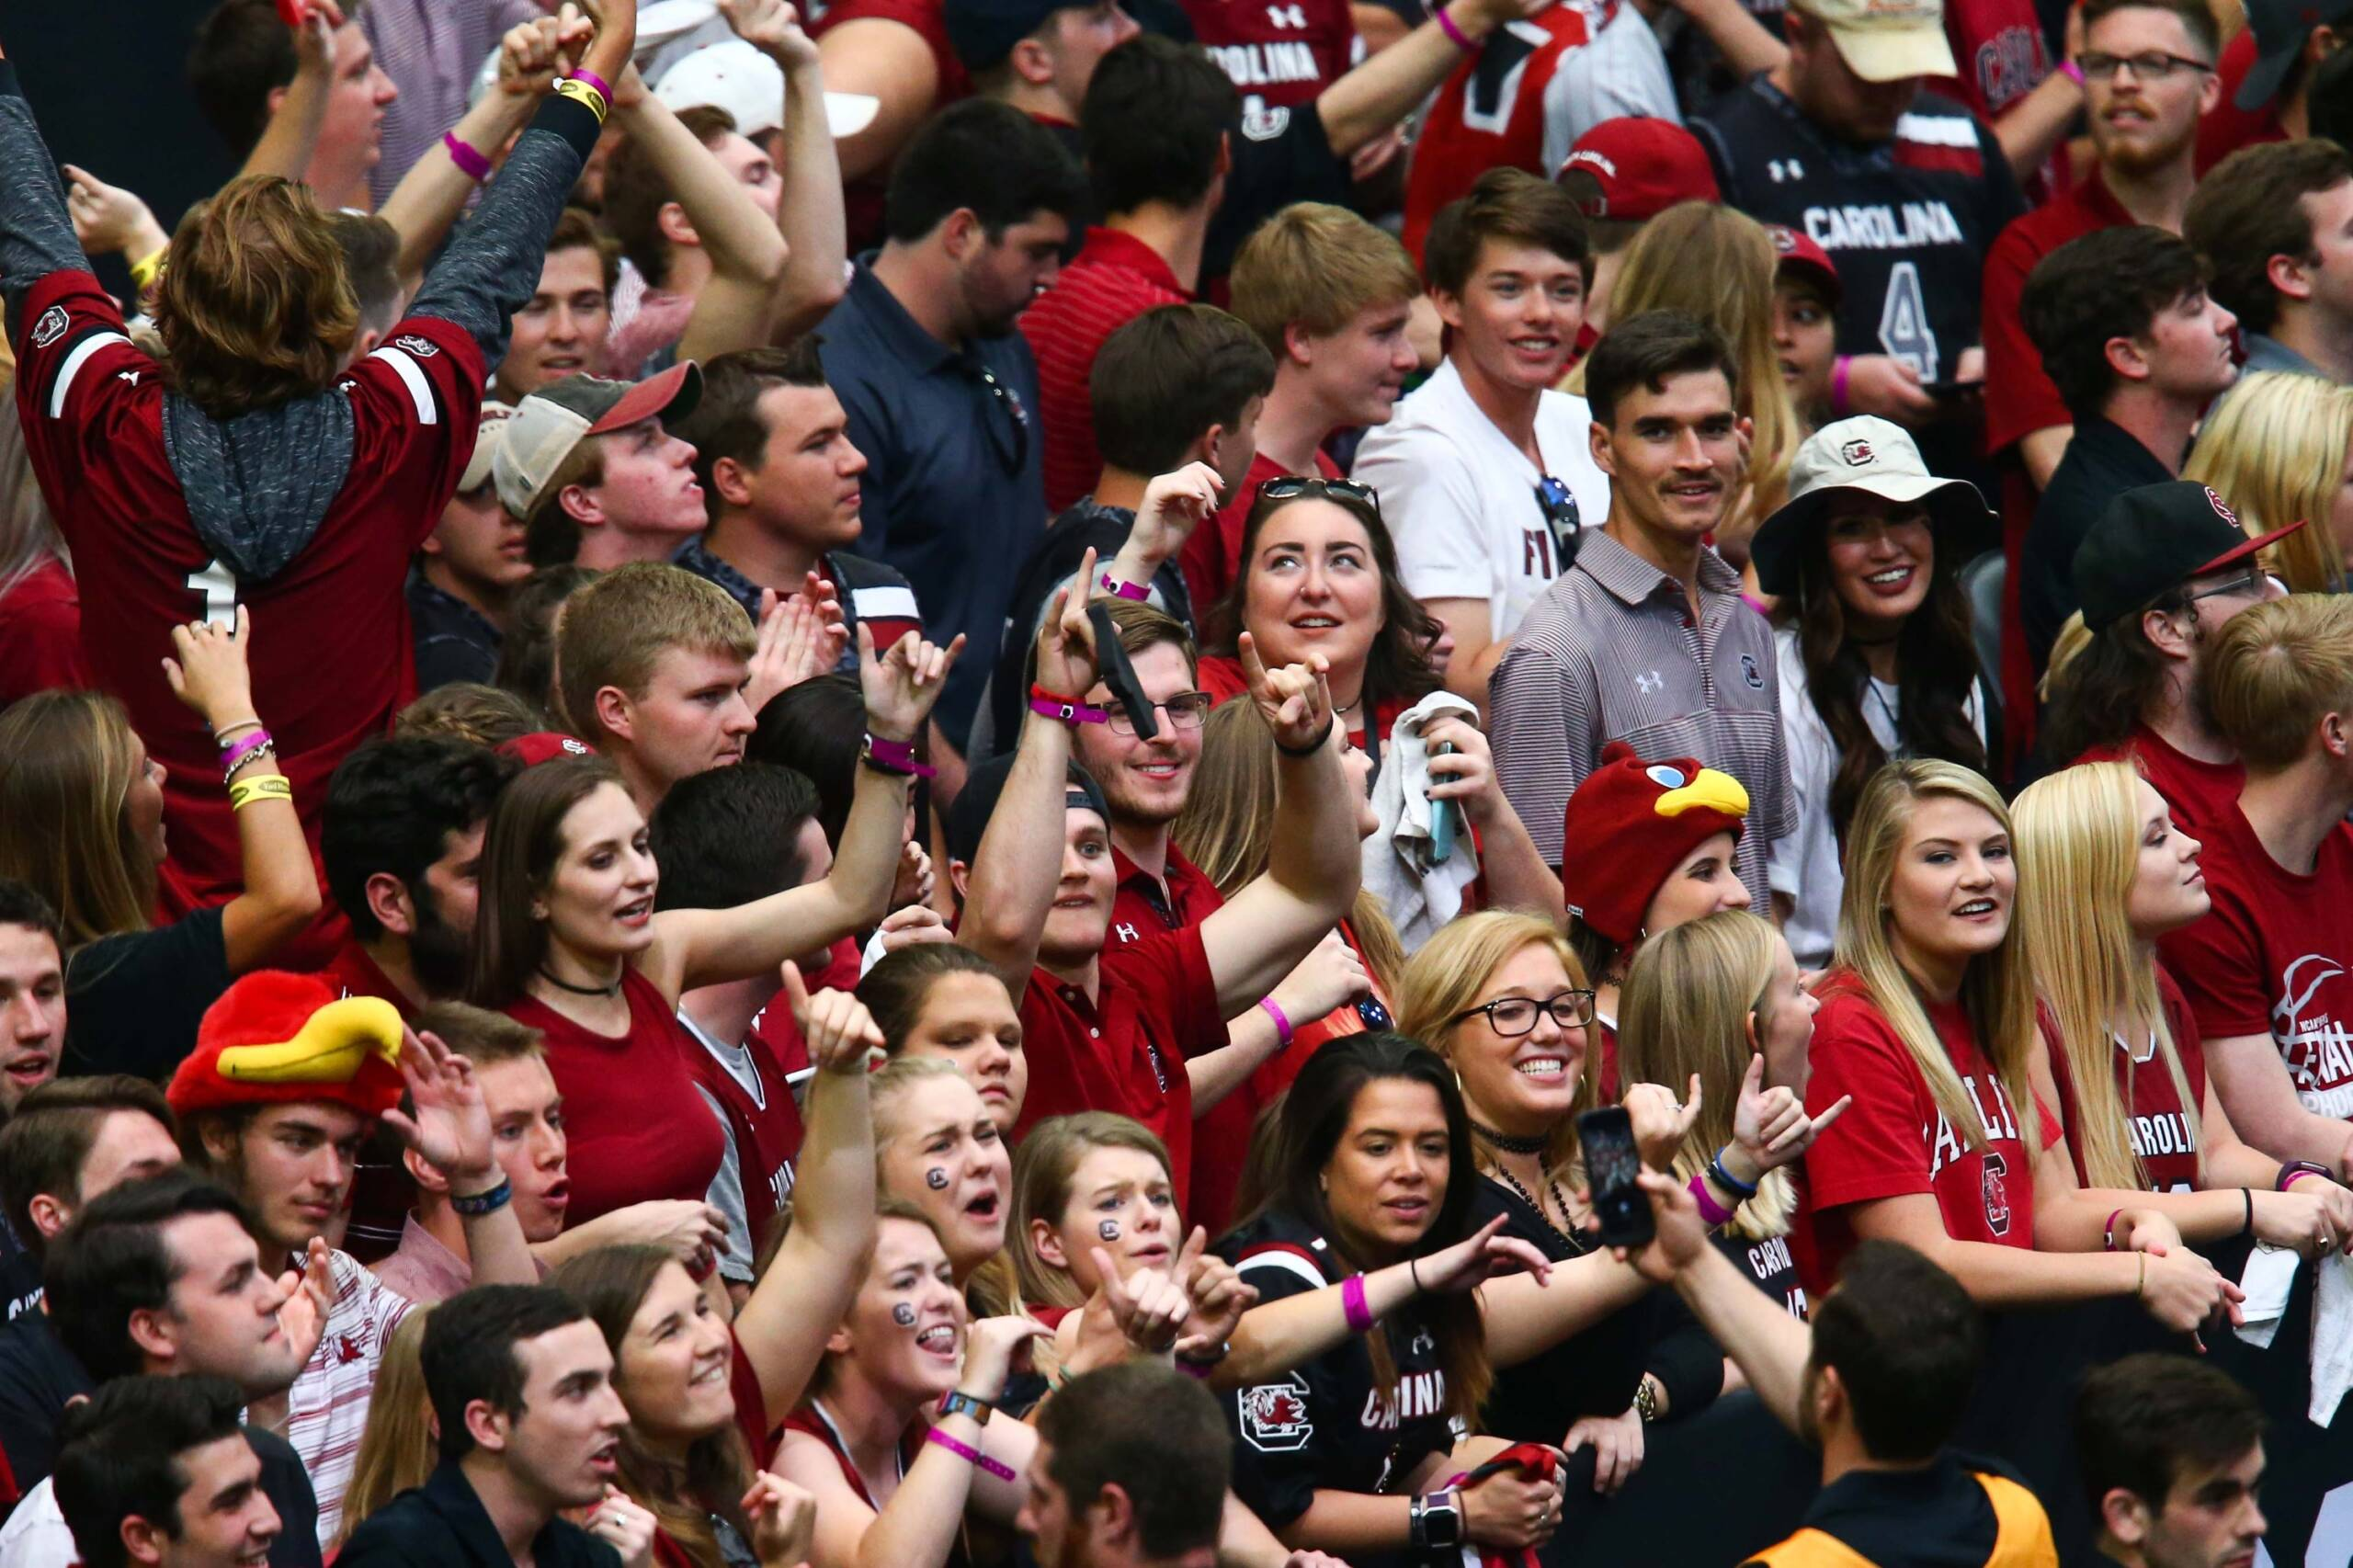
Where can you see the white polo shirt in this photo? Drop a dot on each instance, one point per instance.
(1460, 497)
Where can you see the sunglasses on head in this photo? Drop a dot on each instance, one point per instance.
(1285, 487)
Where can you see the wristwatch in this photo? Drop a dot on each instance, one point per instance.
(1438, 1523)
(957, 1402)
(2294, 1168)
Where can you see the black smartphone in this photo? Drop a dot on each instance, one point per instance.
(1952, 392)
(1612, 1163)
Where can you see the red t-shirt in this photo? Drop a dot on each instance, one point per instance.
(353, 974)
(1895, 1141)
(40, 634)
(1490, 113)
(638, 1128)
(773, 1028)
(2272, 957)
(2161, 1128)
(2200, 793)
(1998, 46)
(1211, 558)
(2226, 127)
(2029, 402)
(1155, 1006)
(332, 660)
(1114, 279)
(1279, 55)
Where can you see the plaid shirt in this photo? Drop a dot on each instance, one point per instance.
(432, 50)
(1610, 653)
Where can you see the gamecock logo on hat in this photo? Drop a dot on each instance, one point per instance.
(2221, 509)
(1855, 454)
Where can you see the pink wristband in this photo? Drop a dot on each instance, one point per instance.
(1352, 1302)
(1125, 590)
(234, 755)
(895, 756)
(2108, 1231)
(965, 1450)
(1282, 1024)
(2073, 71)
(470, 162)
(594, 81)
(1713, 1212)
(1838, 385)
(1446, 25)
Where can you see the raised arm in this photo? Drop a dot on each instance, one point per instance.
(292, 134)
(747, 251)
(1313, 861)
(435, 190)
(36, 233)
(448, 1124)
(1518, 877)
(1374, 97)
(1764, 1340)
(808, 1286)
(490, 269)
(707, 947)
(1009, 887)
(209, 672)
(809, 169)
(888, 61)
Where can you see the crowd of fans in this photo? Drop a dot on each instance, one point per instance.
(856, 789)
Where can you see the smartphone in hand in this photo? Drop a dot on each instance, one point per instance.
(1442, 817)
(1612, 1161)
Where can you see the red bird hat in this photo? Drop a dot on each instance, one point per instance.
(1627, 826)
(276, 1038)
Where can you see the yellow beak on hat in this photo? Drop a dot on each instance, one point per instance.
(1711, 790)
(328, 1048)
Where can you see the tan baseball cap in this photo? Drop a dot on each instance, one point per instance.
(494, 416)
(1886, 40)
(551, 422)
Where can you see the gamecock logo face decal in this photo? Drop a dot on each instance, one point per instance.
(1275, 1418)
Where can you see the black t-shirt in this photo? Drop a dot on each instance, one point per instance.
(134, 1001)
(1326, 1425)
(19, 1272)
(1934, 1518)
(2103, 461)
(1280, 155)
(38, 1377)
(1595, 1373)
(288, 1486)
(1769, 1263)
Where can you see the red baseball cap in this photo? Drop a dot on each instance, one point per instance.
(543, 745)
(1631, 169)
(1798, 252)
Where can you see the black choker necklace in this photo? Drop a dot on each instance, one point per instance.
(1507, 1143)
(612, 989)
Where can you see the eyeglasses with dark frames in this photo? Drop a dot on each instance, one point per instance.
(2149, 65)
(1186, 710)
(1511, 1016)
(2249, 582)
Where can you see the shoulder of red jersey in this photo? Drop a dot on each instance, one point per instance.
(1937, 133)
(73, 341)
(426, 370)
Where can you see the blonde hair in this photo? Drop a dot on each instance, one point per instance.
(1717, 263)
(616, 627)
(1043, 1168)
(1447, 978)
(257, 307)
(2274, 669)
(1314, 266)
(67, 761)
(398, 1449)
(1227, 827)
(1686, 1010)
(2078, 848)
(995, 1287)
(2275, 449)
(1997, 988)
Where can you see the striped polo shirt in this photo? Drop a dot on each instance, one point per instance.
(1610, 653)
(326, 1409)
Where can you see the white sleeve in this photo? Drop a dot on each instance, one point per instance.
(1620, 74)
(1433, 507)
(1808, 746)
(35, 1535)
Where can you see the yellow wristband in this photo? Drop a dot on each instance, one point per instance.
(583, 94)
(145, 271)
(260, 787)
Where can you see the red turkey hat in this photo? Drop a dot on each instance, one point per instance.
(278, 1039)
(1627, 826)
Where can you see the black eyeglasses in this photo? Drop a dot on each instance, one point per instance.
(1561, 520)
(2149, 65)
(1514, 1015)
(1283, 487)
(2249, 582)
(1186, 710)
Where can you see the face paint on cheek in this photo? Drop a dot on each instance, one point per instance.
(1108, 1229)
(902, 1315)
(935, 1179)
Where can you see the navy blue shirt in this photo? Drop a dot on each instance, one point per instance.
(952, 496)
(454, 640)
(2103, 461)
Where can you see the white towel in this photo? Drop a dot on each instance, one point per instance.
(1420, 897)
(2332, 1338)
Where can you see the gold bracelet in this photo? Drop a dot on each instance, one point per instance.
(260, 787)
(584, 94)
(2141, 1289)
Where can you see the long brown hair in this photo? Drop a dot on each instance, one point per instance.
(67, 760)
(1227, 827)
(1398, 666)
(519, 851)
(896, 988)
(1043, 1168)
(1935, 671)
(256, 306)
(610, 1285)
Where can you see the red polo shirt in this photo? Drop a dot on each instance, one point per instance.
(2200, 794)
(1114, 279)
(1139, 910)
(1155, 1006)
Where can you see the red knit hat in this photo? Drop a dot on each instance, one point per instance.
(1629, 824)
(274, 1039)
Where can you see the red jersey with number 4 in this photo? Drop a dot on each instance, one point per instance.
(1280, 54)
(2272, 957)
(331, 654)
(2163, 1133)
(1895, 1141)
(1490, 114)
